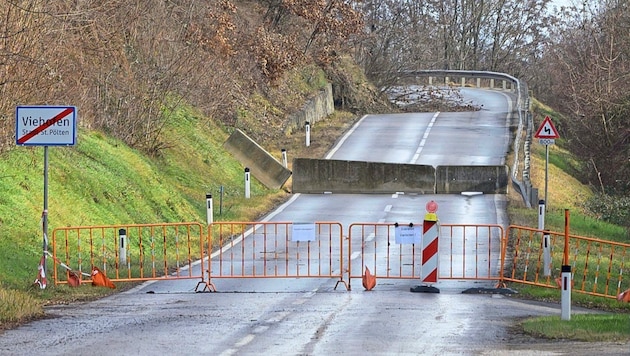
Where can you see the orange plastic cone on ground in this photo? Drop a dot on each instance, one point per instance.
(369, 281)
(624, 296)
(74, 279)
(99, 279)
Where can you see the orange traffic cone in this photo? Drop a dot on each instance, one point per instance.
(369, 281)
(99, 279)
(74, 279)
(624, 296)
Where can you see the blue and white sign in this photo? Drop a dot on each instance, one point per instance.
(45, 125)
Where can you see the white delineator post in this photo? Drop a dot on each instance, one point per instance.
(247, 183)
(307, 127)
(546, 254)
(565, 295)
(122, 252)
(285, 162)
(541, 215)
(209, 209)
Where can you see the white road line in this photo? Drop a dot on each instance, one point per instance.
(228, 352)
(343, 139)
(416, 156)
(246, 340)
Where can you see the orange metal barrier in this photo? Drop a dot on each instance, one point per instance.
(597, 266)
(316, 250)
(465, 252)
(149, 251)
(474, 252)
(275, 250)
(373, 245)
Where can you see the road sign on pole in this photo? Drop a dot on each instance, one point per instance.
(547, 134)
(45, 125)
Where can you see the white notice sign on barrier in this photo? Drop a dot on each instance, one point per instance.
(303, 232)
(408, 234)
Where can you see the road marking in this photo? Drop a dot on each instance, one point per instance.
(388, 208)
(246, 340)
(355, 254)
(228, 352)
(278, 317)
(343, 139)
(416, 156)
(370, 237)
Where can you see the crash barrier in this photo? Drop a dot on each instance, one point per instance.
(275, 250)
(458, 179)
(339, 176)
(466, 252)
(134, 252)
(598, 267)
(262, 164)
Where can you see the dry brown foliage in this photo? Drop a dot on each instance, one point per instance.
(127, 65)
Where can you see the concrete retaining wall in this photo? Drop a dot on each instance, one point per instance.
(485, 179)
(262, 165)
(315, 109)
(318, 176)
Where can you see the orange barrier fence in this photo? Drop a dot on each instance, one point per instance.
(139, 252)
(275, 250)
(465, 252)
(135, 252)
(473, 251)
(373, 245)
(597, 266)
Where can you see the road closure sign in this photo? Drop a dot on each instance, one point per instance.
(45, 125)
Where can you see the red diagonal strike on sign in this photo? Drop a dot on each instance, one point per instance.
(45, 125)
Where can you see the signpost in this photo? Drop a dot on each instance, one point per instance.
(546, 134)
(45, 126)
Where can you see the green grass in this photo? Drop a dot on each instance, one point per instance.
(583, 327)
(18, 305)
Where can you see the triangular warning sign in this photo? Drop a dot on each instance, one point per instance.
(547, 130)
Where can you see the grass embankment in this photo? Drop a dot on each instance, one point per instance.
(100, 181)
(565, 192)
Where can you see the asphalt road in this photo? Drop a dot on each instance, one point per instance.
(308, 316)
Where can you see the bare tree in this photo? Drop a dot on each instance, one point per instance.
(590, 64)
(497, 35)
(27, 76)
